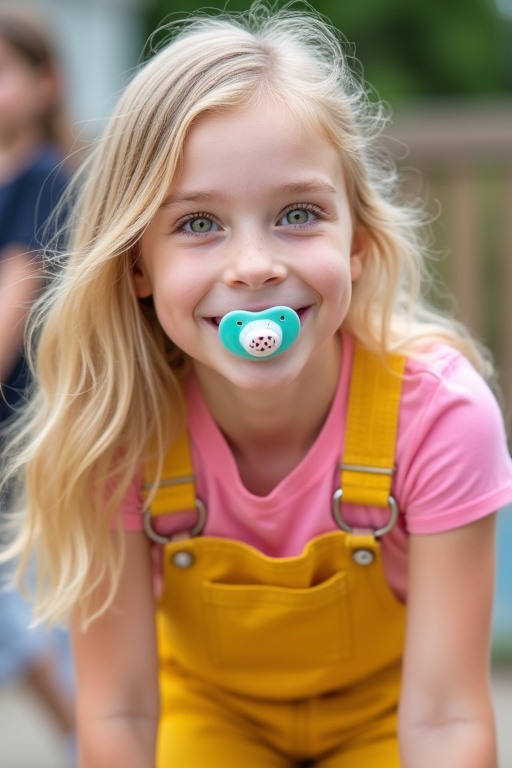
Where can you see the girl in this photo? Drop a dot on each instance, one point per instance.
(33, 142)
(240, 313)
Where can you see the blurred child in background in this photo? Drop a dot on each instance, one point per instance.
(34, 139)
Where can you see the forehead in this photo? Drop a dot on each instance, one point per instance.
(264, 116)
(261, 137)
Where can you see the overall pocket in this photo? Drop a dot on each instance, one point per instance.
(277, 627)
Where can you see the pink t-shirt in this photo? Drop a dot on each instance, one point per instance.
(452, 467)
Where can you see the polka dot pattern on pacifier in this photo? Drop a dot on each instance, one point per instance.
(261, 338)
(259, 335)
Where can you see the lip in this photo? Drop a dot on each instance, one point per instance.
(215, 320)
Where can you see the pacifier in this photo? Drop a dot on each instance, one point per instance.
(255, 335)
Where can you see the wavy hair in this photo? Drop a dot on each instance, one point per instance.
(108, 379)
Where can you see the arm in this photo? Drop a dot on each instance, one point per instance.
(20, 280)
(446, 717)
(116, 670)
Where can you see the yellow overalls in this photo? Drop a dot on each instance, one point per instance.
(275, 662)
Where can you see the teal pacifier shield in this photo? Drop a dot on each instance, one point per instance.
(259, 335)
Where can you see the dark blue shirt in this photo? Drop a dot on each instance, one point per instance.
(26, 204)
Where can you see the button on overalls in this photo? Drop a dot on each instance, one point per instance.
(274, 661)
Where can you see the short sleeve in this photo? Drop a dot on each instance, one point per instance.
(453, 466)
(131, 506)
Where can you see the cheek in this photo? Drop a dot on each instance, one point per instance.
(333, 275)
(8, 96)
(177, 291)
(17, 92)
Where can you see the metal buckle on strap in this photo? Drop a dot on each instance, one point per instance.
(338, 495)
(336, 513)
(196, 530)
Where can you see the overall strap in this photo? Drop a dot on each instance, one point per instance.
(368, 462)
(177, 490)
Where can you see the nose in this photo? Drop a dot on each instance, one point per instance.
(253, 264)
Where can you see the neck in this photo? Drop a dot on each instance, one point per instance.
(270, 432)
(15, 151)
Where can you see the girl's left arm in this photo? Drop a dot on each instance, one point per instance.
(446, 716)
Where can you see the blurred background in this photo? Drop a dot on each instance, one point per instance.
(446, 71)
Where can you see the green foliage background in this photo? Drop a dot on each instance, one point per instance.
(409, 48)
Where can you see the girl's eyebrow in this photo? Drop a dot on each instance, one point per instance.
(192, 196)
(306, 186)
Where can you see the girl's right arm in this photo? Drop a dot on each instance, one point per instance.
(117, 672)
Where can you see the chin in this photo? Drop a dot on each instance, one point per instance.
(263, 375)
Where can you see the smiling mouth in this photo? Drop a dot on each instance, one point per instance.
(215, 321)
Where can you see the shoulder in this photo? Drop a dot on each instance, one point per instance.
(47, 172)
(45, 161)
(453, 463)
(36, 196)
(441, 380)
(41, 182)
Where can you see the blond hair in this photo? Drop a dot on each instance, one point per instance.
(107, 376)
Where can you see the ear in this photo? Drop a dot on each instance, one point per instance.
(141, 281)
(357, 253)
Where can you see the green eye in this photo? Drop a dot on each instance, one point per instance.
(297, 216)
(201, 225)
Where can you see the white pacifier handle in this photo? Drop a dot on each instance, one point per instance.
(261, 338)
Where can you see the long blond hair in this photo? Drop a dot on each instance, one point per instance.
(107, 376)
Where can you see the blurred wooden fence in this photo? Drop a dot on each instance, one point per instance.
(464, 157)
